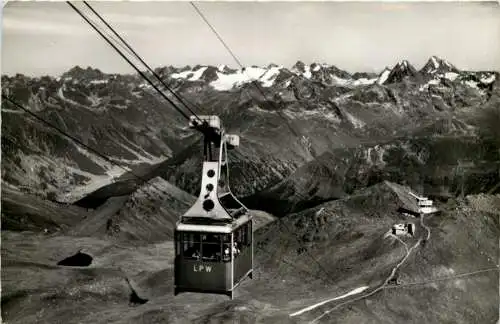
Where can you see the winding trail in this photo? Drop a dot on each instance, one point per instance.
(352, 292)
(426, 227)
(461, 275)
(393, 272)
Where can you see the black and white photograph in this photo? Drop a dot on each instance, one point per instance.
(250, 162)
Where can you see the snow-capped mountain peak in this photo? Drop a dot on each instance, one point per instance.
(403, 65)
(223, 78)
(400, 71)
(438, 65)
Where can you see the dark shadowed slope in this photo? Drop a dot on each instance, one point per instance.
(24, 212)
(147, 215)
(444, 166)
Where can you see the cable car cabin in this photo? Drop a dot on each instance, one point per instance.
(213, 258)
(214, 238)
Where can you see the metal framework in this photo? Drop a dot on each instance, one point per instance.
(216, 222)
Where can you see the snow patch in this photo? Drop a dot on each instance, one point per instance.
(226, 82)
(307, 74)
(193, 75)
(321, 113)
(257, 109)
(254, 73)
(357, 123)
(268, 78)
(472, 84)
(435, 62)
(60, 93)
(452, 76)
(431, 82)
(383, 77)
(316, 68)
(488, 80)
(340, 81)
(197, 74)
(352, 292)
(364, 81)
(98, 81)
(181, 75)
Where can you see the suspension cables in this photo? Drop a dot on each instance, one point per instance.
(293, 131)
(241, 66)
(74, 139)
(129, 62)
(77, 141)
(134, 53)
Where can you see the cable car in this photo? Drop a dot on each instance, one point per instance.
(214, 238)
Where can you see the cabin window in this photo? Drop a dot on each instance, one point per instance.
(242, 238)
(211, 247)
(191, 245)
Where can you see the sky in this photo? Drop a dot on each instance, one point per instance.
(49, 38)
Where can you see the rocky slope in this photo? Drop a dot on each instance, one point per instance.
(147, 215)
(315, 255)
(110, 113)
(443, 167)
(350, 237)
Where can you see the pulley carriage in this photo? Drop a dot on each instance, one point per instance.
(214, 238)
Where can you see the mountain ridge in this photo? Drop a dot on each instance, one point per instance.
(312, 110)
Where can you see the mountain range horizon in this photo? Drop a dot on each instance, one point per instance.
(430, 60)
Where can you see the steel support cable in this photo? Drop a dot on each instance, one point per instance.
(293, 131)
(131, 51)
(19, 146)
(140, 72)
(134, 53)
(110, 36)
(128, 61)
(76, 140)
(241, 65)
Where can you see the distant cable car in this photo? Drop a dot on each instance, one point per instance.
(214, 238)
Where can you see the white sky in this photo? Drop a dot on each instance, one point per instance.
(50, 38)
